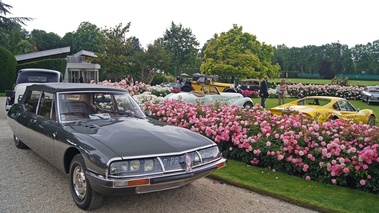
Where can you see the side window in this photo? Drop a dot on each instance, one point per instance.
(46, 107)
(32, 100)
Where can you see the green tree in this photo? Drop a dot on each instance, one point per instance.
(8, 65)
(88, 37)
(114, 59)
(44, 40)
(150, 63)
(182, 45)
(7, 24)
(235, 54)
(67, 41)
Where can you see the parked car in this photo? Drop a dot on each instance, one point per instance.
(324, 108)
(249, 84)
(175, 87)
(199, 80)
(211, 95)
(27, 77)
(370, 94)
(100, 137)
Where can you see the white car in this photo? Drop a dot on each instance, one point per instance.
(211, 95)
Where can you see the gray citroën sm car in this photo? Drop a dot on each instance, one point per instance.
(100, 137)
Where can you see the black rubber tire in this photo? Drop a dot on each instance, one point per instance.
(81, 191)
(248, 105)
(371, 121)
(19, 144)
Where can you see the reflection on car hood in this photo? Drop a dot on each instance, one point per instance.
(133, 136)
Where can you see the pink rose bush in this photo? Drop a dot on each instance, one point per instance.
(337, 152)
(301, 90)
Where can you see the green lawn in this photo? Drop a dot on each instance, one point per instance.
(325, 81)
(309, 194)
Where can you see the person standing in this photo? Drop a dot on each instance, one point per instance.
(283, 92)
(263, 91)
(129, 80)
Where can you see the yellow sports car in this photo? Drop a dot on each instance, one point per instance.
(324, 108)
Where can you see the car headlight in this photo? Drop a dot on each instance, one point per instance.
(210, 154)
(372, 97)
(135, 167)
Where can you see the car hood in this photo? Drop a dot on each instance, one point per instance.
(133, 136)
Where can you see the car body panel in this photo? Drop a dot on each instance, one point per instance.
(249, 84)
(103, 138)
(370, 94)
(324, 108)
(210, 96)
(201, 80)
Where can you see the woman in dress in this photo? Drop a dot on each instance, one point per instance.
(283, 92)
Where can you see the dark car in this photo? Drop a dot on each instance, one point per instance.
(249, 84)
(108, 146)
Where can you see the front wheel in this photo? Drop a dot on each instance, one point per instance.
(81, 191)
(371, 120)
(19, 144)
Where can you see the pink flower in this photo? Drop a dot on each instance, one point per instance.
(334, 181)
(362, 182)
(307, 178)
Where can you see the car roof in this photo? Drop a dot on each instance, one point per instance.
(68, 87)
(38, 70)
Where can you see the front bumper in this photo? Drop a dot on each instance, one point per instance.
(151, 183)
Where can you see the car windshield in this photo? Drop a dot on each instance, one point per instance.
(374, 90)
(96, 105)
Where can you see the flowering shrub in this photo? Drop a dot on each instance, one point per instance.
(250, 93)
(134, 88)
(335, 152)
(349, 92)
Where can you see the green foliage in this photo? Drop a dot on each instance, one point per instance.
(44, 40)
(7, 69)
(182, 45)
(235, 54)
(114, 60)
(151, 62)
(161, 78)
(88, 37)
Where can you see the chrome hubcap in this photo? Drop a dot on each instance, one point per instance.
(79, 182)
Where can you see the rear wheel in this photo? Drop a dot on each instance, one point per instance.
(81, 191)
(248, 105)
(371, 121)
(19, 144)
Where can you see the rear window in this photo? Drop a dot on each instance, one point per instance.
(37, 77)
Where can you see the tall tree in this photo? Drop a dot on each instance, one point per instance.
(114, 59)
(182, 45)
(8, 24)
(88, 37)
(44, 40)
(151, 62)
(235, 54)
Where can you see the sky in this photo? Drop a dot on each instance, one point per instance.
(295, 23)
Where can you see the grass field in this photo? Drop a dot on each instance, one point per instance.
(325, 81)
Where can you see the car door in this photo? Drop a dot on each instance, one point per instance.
(348, 111)
(43, 127)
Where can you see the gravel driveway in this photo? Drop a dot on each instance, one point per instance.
(28, 183)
